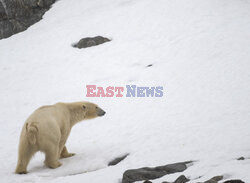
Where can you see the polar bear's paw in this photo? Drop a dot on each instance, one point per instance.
(67, 155)
(53, 165)
(22, 172)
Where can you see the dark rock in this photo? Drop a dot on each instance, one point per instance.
(117, 160)
(148, 173)
(18, 15)
(181, 179)
(91, 41)
(218, 178)
(214, 179)
(165, 182)
(241, 158)
(149, 65)
(234, 181)
(211, 181)
(147, 181)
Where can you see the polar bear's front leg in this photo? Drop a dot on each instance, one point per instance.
(65, 153)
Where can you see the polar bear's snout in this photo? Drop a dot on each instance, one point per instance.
(100, 112)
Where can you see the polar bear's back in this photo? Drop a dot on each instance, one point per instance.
(49, 113)
(50, 121)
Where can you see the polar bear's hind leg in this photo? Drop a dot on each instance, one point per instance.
(25, 153)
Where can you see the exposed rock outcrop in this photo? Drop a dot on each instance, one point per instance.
(215, 179)
(241, 158)
(234, 181)
(147, 181)
(181, 179)
(147, 173)
(90, 41)
(117, 160)
(18, 15)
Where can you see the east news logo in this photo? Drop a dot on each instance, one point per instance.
(119, 91)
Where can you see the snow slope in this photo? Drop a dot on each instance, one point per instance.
(200, 55)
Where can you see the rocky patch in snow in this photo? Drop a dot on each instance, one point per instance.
(149, 65)
(147, 181)
(241, 158)
(234, 181)
(181, 179)
(117, 160)
(90, 41)
(216, 179)
(18, 15)
(148, 173)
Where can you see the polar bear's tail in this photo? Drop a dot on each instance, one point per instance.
(32, 131)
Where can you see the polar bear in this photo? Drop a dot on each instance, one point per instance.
(47, 130)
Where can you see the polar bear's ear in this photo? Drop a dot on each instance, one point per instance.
(84, 107)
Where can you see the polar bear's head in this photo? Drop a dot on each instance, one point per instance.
(92, 110)
(83, 110)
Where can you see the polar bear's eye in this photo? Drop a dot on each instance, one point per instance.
(83, 107)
